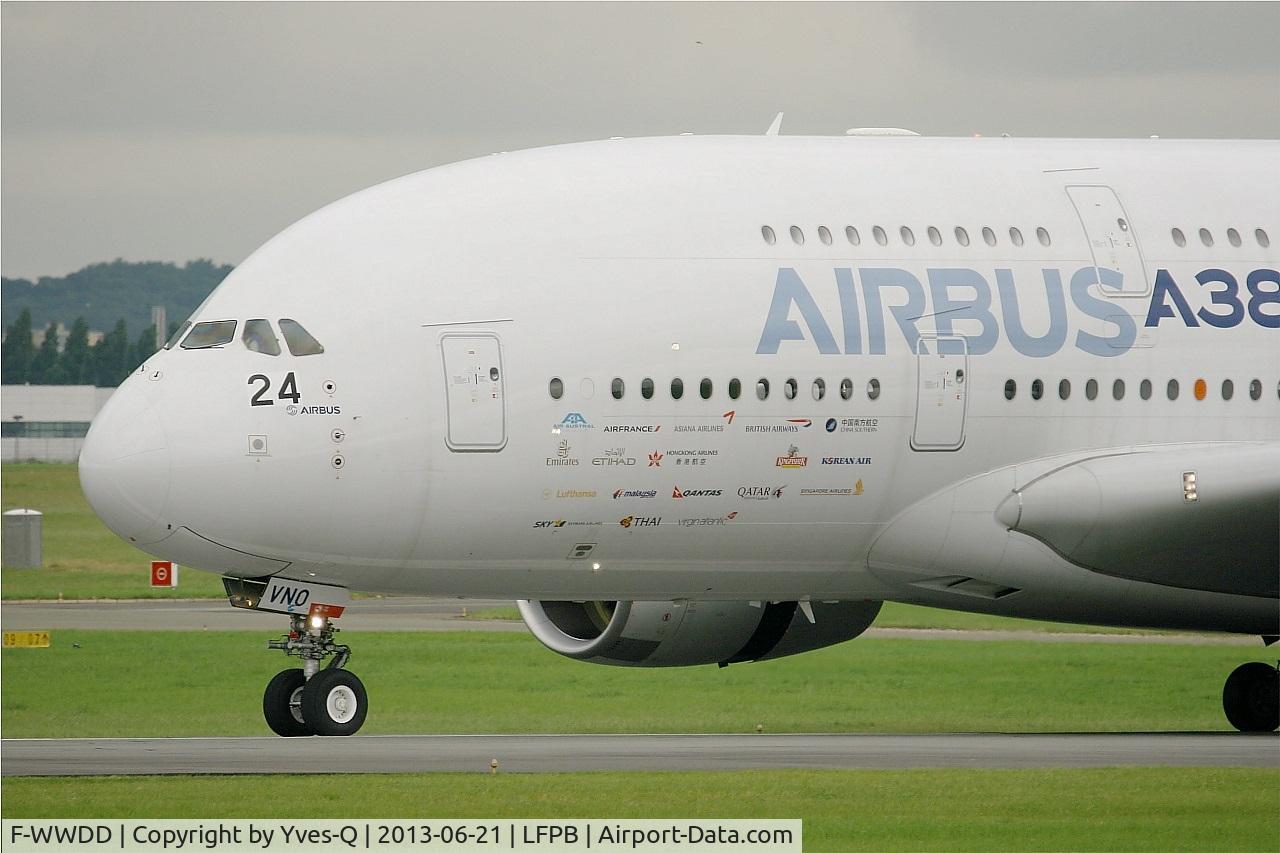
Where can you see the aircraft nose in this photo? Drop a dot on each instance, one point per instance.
(125, 468)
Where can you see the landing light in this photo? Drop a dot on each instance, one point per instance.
(317, 622)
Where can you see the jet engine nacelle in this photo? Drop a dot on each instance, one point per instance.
(685, 633)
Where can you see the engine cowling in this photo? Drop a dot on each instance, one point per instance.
(687, 633)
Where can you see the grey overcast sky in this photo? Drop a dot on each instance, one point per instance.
(159, 131)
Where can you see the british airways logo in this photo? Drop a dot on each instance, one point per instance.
(965, 297)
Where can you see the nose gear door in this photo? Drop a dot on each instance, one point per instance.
(475, 397)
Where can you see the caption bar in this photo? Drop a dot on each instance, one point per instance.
(330, 836)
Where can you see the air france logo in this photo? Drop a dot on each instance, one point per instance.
(885, 296)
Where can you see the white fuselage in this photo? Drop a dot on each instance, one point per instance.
(407, 464)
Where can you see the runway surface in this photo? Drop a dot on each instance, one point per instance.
(437, 614)
(571, 753)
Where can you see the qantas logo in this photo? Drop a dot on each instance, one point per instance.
(679, 493)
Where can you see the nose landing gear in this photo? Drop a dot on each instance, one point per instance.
(314, 701)
(1251, 697)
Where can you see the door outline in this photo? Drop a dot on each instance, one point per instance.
(1096, 233)
(940, 343)
(453, 417)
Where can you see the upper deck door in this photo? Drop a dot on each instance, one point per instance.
(941, 379)
(1111, 240)
(475, 399)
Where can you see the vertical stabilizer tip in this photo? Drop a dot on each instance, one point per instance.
(775, 127)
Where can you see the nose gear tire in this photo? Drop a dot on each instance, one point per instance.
(282, 704)
(334, 703)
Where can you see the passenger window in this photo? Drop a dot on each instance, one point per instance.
(846, 389)
(259, 337)
(1064, 389)
(797, 236)
(1117, 389)
(769, 236)
(935, 236)
(824, 234)
(1228, 389)
(1144, 389)
(1016, 236)
(212, 334)
(677, 389)
(1255, 390)
(819, 389)
(880, 236)
(1091, 389)
(1261, 236)
(962, 236)
(907, 236)
(1206, 237)
(851, 234)
(646, 388)
(1233, 237)
(556, 388)
(789, 388)
(1010, 389)
(762, 389)
(177, 336)
(1179, 239)
(704, 389)
(1172, 389)
(1043, 236)
(618, 388)
(1037, 389)
(988, 236)
(735, 389)
(873, 389)
(298, 339)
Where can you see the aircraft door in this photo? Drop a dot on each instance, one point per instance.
(942, 367)
(1111, 239)
(475, 398)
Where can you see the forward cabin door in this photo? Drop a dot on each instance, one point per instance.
(1111, 239)
(942, 368)
(475, 399)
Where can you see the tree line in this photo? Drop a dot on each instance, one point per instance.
(105, 364)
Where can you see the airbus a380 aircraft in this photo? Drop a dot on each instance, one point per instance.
(704, 400)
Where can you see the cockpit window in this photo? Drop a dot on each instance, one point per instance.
(177, 336)
(215, 333)
(259, 337)
(299, 339)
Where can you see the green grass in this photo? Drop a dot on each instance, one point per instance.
(1157, 809)
(82, 558)
(189, 683)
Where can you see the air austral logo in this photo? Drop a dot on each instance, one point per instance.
(951, 296)
(574, 420)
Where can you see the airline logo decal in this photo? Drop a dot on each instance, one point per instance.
(614, 457)
(833, 493)
(708, 521)
(633, 428)
(760, 493)
(792, 459)
(635, 493)
(679, 493)
(562, 456)
(655, 460)
(966, 296)
(574, 420)
(853, 424)
(692, 457)
(640, 521)
(846, 460)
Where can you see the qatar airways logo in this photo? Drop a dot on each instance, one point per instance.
(966, 296)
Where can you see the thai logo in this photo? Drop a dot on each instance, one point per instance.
(655, 459)
(640, 521)
(792, 459)
(562, 456)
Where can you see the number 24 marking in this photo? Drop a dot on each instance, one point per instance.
(288, 390)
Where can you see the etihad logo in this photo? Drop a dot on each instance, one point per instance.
(846, 460)
(635, 493)
(679, 493)
(575, 493)
(559, 522)
(573, 420)
(760, 493)
(640, 521)
(655, 460)
(562, 456)
(792, 459)
(615, 457)
(633, 428)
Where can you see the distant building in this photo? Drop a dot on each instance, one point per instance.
(47, 423)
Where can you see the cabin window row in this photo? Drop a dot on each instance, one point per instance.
(706, 388)
(1233, 237)
(1172, 389)
(905, 235)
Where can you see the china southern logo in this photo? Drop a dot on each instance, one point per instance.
(832, 423)
(574, 420)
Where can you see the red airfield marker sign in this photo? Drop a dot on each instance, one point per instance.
(164, 573)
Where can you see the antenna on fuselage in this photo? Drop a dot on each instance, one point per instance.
(775, 127)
